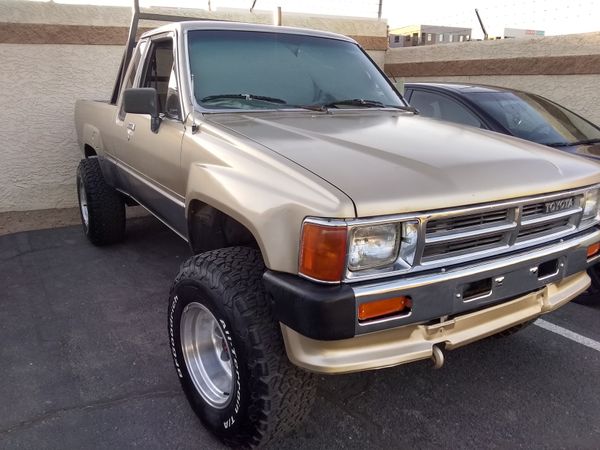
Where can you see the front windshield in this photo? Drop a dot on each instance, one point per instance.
(534, 118)
(260, 70)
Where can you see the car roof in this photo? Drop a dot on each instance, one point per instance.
(460, 88)
(240, 26)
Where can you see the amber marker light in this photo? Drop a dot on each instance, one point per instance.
(323, 251)
(383, 307)
(593, 249)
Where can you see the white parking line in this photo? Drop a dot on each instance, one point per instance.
(568, 334)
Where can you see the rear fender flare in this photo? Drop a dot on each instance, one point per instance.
(91, 136)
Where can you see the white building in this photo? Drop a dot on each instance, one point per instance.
(512, 33)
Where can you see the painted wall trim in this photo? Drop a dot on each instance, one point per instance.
(542, 65)
(38, 33)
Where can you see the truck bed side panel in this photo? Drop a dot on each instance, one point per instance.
(96, 130)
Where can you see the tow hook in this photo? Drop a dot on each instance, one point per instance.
(437, 357)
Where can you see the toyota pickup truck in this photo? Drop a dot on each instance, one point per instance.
(333, 229)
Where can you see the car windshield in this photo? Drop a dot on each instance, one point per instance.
(534, 118)
(261, 70)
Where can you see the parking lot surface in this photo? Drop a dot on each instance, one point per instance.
(85, 363)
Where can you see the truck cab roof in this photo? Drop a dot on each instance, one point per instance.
(238, 26)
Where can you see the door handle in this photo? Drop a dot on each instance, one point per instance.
(130, 130)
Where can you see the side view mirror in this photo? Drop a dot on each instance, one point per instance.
(143, 101)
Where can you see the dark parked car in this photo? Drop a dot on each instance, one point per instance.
(516, 113)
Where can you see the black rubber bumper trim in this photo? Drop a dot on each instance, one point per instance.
(318, 311)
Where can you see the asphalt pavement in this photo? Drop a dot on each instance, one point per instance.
(85, 364)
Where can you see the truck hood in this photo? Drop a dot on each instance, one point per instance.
(395, 162)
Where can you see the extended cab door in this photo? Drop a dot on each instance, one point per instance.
(152, 161)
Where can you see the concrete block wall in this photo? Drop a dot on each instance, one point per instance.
(565, 69)
(51, 54)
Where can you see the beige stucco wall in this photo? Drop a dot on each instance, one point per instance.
(40, 83)
(581, 93)
(572, 44)
(38, 87)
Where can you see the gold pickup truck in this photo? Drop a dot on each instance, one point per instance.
(334, 230)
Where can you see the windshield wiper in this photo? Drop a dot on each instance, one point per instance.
(361, 103)
(248, 97)
(262, 98)
(356, 102)
(322, 108)
(569, 144)
(586, 141)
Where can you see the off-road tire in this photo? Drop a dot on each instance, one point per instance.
(105, 206)
(592, 294)
(271, 396)
(512, 330)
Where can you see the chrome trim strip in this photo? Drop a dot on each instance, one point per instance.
(562, 231)
(326, 223)
(500, 249)
(437, 238)
(301, 275)
(552, 217)
(482, 296)
(465, 257)
(593, 259)
(545, 277)
(384, 320)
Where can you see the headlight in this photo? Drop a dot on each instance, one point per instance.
(334, 248)
(591, 204)
(373, 246)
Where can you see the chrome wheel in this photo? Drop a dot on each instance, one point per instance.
(83, 205)
(206, 353)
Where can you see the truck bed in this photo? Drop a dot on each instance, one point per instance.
(91, 116)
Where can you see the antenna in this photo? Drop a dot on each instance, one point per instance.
(485, 35)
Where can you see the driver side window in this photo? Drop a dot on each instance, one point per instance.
(133, 71)
(160, 75)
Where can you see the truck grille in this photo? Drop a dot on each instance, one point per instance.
(469, 220)
(476, 231)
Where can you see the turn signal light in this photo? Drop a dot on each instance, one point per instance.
(323, 251)
(593, 250)
(384, 307)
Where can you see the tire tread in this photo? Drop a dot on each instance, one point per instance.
(282, 394)
(106, 207)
